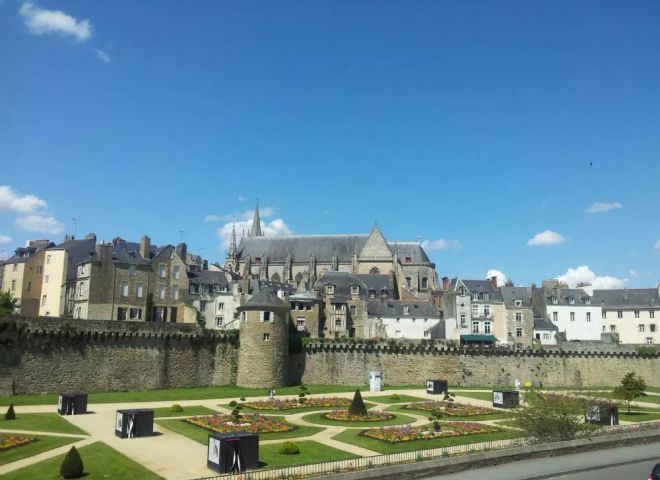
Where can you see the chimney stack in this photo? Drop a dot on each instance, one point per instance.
(105, 253)
(205, 265)
(145, 247)
(68, 237)
(90, 236)
(182, 251)
(445, 284)
(493, 280)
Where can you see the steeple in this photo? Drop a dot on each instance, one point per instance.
(256, 224)
(232, 245)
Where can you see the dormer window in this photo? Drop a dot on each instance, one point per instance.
(408, 260)
(517, 302)
(257, 260)
(486, 296)
(462, 290)
(372, 293)
(587, 300)
(406, 310)
(330, 289)
(571, 300)
(355, 289)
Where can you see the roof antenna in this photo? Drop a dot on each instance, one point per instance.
(75, 226)
(181, 235)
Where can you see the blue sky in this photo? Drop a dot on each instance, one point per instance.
(474, 126)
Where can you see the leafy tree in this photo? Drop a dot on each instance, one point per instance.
(357, 407)
(632, 386)
(72, 466)
(10, 414)
(8, 303)
(551, 418)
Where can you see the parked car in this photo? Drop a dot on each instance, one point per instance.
(655, 473)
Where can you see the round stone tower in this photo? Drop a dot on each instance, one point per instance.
(263, 354)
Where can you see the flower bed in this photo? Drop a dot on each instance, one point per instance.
(371, 416)
(291, 403)
(253, 423)
(450, 409)
(11, 441)
(425, 432)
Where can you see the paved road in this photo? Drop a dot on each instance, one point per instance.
(627, 463)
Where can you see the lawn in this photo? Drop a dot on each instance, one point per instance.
(100, 461)
(354, 437)
(290, 411)
(389, 400)
(40, 422)
(310, 452)
(201, 435)
(318, 419)
(638, 416)
(40, 445)
(487, 396)
(424, 413)
(190, 411)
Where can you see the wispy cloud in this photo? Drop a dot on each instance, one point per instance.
(241, 198)
(584, 274)
(264, 212)
(501, 277)
(632, 272)
(39, 21)
(40, 223)
(5, 239)
(547, 237)
(103, 56)
(601, 207)
(242, 221)
(11, 201)
(441, 244)
(657, 245)
(35, 215)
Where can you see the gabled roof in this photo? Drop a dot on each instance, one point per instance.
(541, 323)
(76, 251)
(264, 299)
(510, 294)
(343, 281)
(22, 254)
(477, 286)
(376, 247)
(564, 295)
(208, 277)
(396, 308)
(627, 298)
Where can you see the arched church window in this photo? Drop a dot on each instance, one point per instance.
(374, 271)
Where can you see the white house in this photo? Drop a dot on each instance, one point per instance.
(572, 311)
(632, 313)
(415, 319)
(545, 332)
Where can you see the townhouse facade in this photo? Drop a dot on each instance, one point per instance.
(632, 313)
(519, 315)
(411, 319)
(572, 311)
(216, 296)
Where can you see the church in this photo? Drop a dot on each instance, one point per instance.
(301, 260)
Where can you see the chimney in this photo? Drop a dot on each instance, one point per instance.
(205, 265)
(145, 247)
(90, 236)
(182, 251)
(68, 237)
(445, 284)
(493, 280)
(105, 253)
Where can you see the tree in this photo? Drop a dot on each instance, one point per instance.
(632, 386)
(551, 418)
(8, 303)
(357, 407)
(10, 414)
(72, 466)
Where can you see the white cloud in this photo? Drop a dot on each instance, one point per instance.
(4, 239)
(545, 238)
(41, 22)
(10, 201)
(212, 218)
(103, 56)
(40, 223)
(243, 223)
(583, 274)
(441, 244)
(657, 245)
(501, 277)
(632, 272)
(600, 207)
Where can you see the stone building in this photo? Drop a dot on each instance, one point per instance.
(306, 314)
(519, 315)
(23, 275)
(264, 347)
(215, 294)
(411, 319)
(632, 313)
(291, 258)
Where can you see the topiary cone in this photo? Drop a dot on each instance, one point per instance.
(72, 466)
(10, 414)
(357, 407)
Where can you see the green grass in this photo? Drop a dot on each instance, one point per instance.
(653, 389)
(40, 445)
(353, 437)
(201, 435)
(318, 419)
(190, 411)
(639, 416)
(290, 411)
(101, 462)
(39, 422)
(487, 396)
(310, 452)
(388, 400)
(468, 418)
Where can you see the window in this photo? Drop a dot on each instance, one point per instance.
(475, 327)
(194, 288)
(604, 315)
(572, 316)
(612, 328)
(266, 316)
(408, 281)
(219, 321)
(161, 292)
(162, 270)
(588, 316)
(353, 310)
(651, 313)
(29, 286)
(175, 292)
(519, 332)
(475, 309)
(636, 313)
(43, 301)
(221, 306)
(555, 316)
(648, 340)
(175, 271)
(406, 310)
(337, 322)
(121, 314)
(571, 300)
(463, 323)
(355, 289)
(135, 313)
(652, 327)
(619, 314)
(131, 270)
(486, 310)
(243, 317)
(202, 305)
(138, 290)
(462, 290)
(15, 268)
(13, 285)
(546, 336)
(641, 327)
(587, 300)
(46, 278)
(266, 337)
(425, 283)
(427, 333)
(124, 289)
(408, 259)
(486, 327)
(374, 271)
(518, 317)
(257, 260)
(518, 302)
(300, 324)
(48, 259)
(330, 289)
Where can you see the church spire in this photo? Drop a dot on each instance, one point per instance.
(232, 245)
(256, 224)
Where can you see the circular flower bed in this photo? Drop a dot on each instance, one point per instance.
(253, 423)
(291, 403)
(13, 441)
(450, 409)
(371, 416)
(425, 432)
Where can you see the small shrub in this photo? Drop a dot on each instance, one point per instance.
(431, 419)
(233, 403)
(176, 408)
(357, 407)
(288, 448)
(436, 425)
(72, 466)
(10, 414)
(301, 395)
(395, 396)
(242, 399)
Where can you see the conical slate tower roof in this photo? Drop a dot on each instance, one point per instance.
(264, 299)
(256, 224)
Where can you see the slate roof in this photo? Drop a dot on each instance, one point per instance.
(76, 251)
(564, 295)
(323, 247)
(22, 254)
(127, 253)
(509, 294)
(627, 298)
(394, 308)
(264, 299)
(541, 323)
(208, 277)
(479, 286)
(343, 281)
